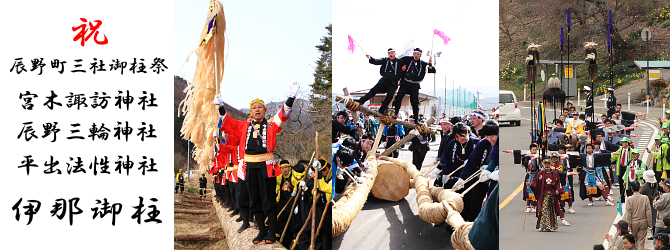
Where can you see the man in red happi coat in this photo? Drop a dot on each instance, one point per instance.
(258, 139)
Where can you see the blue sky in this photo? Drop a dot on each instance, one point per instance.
(470, 59)
(270, 45)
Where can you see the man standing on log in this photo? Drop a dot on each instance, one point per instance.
(414, 72)
(391, 71)
(258, 138)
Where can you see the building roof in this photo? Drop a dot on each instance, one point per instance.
(361, 93)
(653, 64)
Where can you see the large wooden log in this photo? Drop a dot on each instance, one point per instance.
(194, 237)
(196, 202)
(195, 197)
(190, 211)
(241, 240)
(392, 183)
(190, 205)
(379, 115)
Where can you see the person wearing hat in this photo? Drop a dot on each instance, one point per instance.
(259, 138)
(622, 158)
(532, 63)
(324, 193)
(616, 241)
(662, 205)
(594, 178)
(477, 118)
(474, 198)
(662, 241)
(202, 190)
(180, 182)
(391, 72)
(455, 153)
(667, 118)
(638, 214)
(576, 125)
(563, 174)
(446, 127)
(659, 161)
(611, 102)
(414, 70)
(651, 189)
(634, 171)
(547, 188)
(589, 101)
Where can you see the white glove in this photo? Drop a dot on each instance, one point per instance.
(293, 91)
(216, 134)
(294, 194)
(484, 176)
(340, 177)
(459, 184)
(414, 132)
(303, 185)
(445, 178)
(433, 174)
(360, 179)
(296, 210)
(316, 164)
(494, 176)
(218, 100)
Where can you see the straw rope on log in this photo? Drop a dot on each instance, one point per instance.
(241, 240)
(375, 113)
(345, 211)
(407, 138)
(448, 207)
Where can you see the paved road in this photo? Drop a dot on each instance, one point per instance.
(588, 224)
(394, 225)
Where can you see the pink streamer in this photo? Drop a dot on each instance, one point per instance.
(351, 46)
(441, 34)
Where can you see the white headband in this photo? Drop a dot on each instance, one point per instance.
(477, 115)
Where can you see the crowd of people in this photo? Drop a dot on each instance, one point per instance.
(468, 145)
(600, 155)
(271, 195)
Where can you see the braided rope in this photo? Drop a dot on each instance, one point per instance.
(351, 104)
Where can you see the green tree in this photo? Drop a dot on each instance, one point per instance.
(320, 97)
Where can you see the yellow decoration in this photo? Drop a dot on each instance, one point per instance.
(256, 101)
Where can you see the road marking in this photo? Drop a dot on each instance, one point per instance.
(510, 197)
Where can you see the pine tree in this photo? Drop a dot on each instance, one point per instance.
(320, 96)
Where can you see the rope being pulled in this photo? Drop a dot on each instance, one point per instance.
(351, 104)
(448, 207)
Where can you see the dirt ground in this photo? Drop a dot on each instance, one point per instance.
(196, 224)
